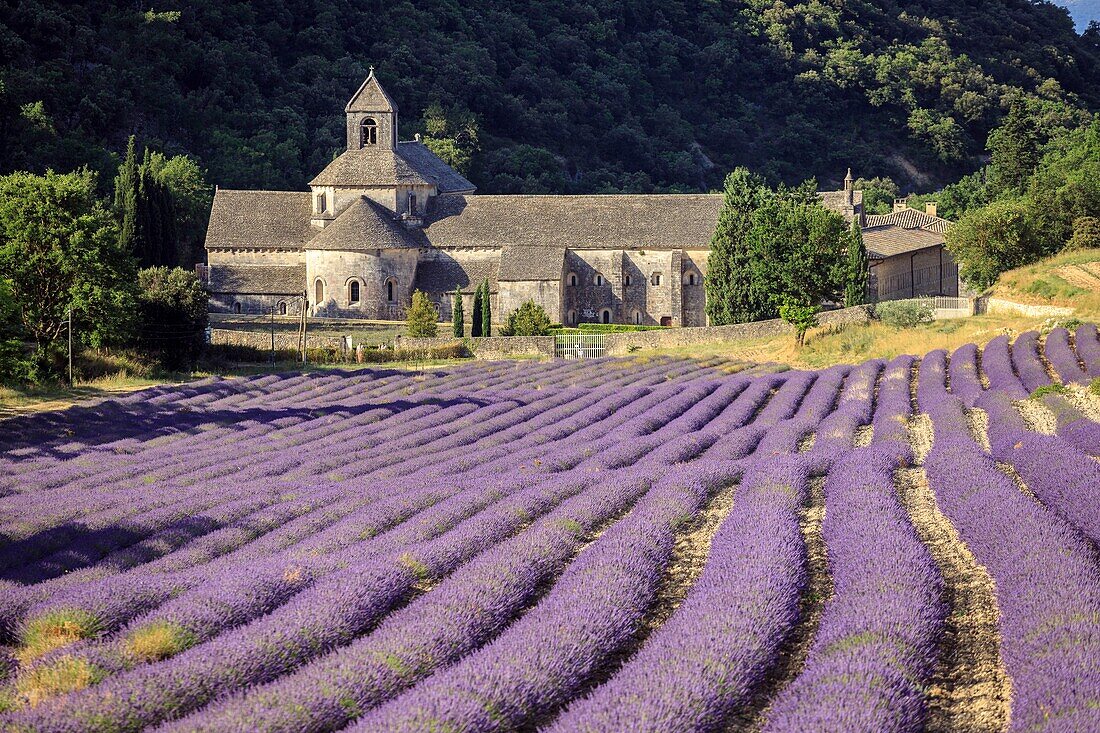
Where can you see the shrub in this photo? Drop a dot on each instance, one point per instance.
(802, 317)
(423, 318)
(1041, 392)
(528, 320)
(173, 306)
(905, 313)
(1086, 233)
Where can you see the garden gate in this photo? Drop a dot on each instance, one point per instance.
(579, 346)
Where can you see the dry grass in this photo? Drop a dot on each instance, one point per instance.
(158, 640)
(53, 630)
(66, 674)
(1070, 279)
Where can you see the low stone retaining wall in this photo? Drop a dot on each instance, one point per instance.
(1000, 305)
(488, 347)
(284, 340)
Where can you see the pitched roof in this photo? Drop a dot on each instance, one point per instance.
(889, 240)
(376, 165)
(278, 219)
(442, 274)
(909, 219)
(363, 225)
(257, 279)
(370, 97)
(838, 201)
(429, 165)
(531, 263)
(667, 221)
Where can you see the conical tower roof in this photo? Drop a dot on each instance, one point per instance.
(371, 97)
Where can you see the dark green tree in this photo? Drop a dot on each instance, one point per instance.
(458, 317)
(475, 314)
(855, 286)
(190, 196)
(173, 308)
(530, 319)
(59, 249)
(730, 297)
(146, 215)
(486, 310)
(1014, 150)
(802, 316)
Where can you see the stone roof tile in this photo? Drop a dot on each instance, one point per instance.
(267, 219)
(531, 263)
(889, 240)
(364, 225)
(446, 178)
(909, 219)
(443, 273)
(375, 165)
(257, 279)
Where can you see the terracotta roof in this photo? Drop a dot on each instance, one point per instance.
(442, 274)
(277, 219)
(886, 241)
(446, 178)
(370, 97)
(363, 225)
(376, 165)
(909, 219)
(532, 263)
(257, 279)
(670, 221)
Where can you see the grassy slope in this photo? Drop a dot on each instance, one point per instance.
(1069, 279)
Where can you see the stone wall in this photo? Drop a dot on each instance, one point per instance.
(284, 305)
(284, 340)
(1000, 305)
(489, 347)
(371, 270)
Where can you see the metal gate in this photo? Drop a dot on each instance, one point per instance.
(579, 346)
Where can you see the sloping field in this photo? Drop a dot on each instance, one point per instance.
(1069, 279)
(635, 544)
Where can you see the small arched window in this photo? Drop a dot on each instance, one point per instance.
(628, 281)
(391, 290)
(236, 307)
(319, 291)
(353, 291)
(572, 318)
(412, 204)
(368, 132)
(691, 278)
(605, 316)
(282, 307)
(655, 279)
(573, 279)
(637, 318)
(598, 280)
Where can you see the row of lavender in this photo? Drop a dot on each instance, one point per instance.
(466, 495)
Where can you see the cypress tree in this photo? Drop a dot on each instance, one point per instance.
(475, 314)
(731, 297)
(486, 311)
(855, 287)
(126, 190)
(458, 318)
(1014, 150)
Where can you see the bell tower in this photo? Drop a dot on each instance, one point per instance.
(371, 117)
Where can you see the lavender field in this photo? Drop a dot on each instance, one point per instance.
(639, 544)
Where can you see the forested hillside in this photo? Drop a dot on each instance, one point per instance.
(545, 96)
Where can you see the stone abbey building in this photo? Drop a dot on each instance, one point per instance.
(388, 217)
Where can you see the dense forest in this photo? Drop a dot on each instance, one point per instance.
(543, 96)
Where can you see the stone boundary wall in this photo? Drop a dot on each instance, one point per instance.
(1000, 305)
(284, 340)
(621, 343)
(487, 347)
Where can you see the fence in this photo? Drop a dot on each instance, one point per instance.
(948, 307)
(579, 346)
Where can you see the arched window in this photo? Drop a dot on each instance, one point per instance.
(655, 279)
(605, 316)
(572, 318)
(628, 281)
(282, 307)
(391, 290)
(236, 307)
(598, 280)
(368, 132)
(412, 204)
(690, 278)
(319, 291)
(573, 279)
(353, 291)
(637, 318)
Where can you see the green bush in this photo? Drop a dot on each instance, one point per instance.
(528, 320)
(423, 318)
(905, 313)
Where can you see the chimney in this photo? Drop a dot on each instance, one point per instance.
(848, 188)
(900, 205)
(930, 208)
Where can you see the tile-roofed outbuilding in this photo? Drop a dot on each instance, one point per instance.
(519, 263)
(888, 240)
(909, 219)
(429, 165)
(443, 273)
(363, 225)
(616, 221)
(257, 279)
(259, 219)
(376, 165)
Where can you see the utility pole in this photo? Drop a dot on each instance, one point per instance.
(70, 346)
(273, 337)
(305, 319)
